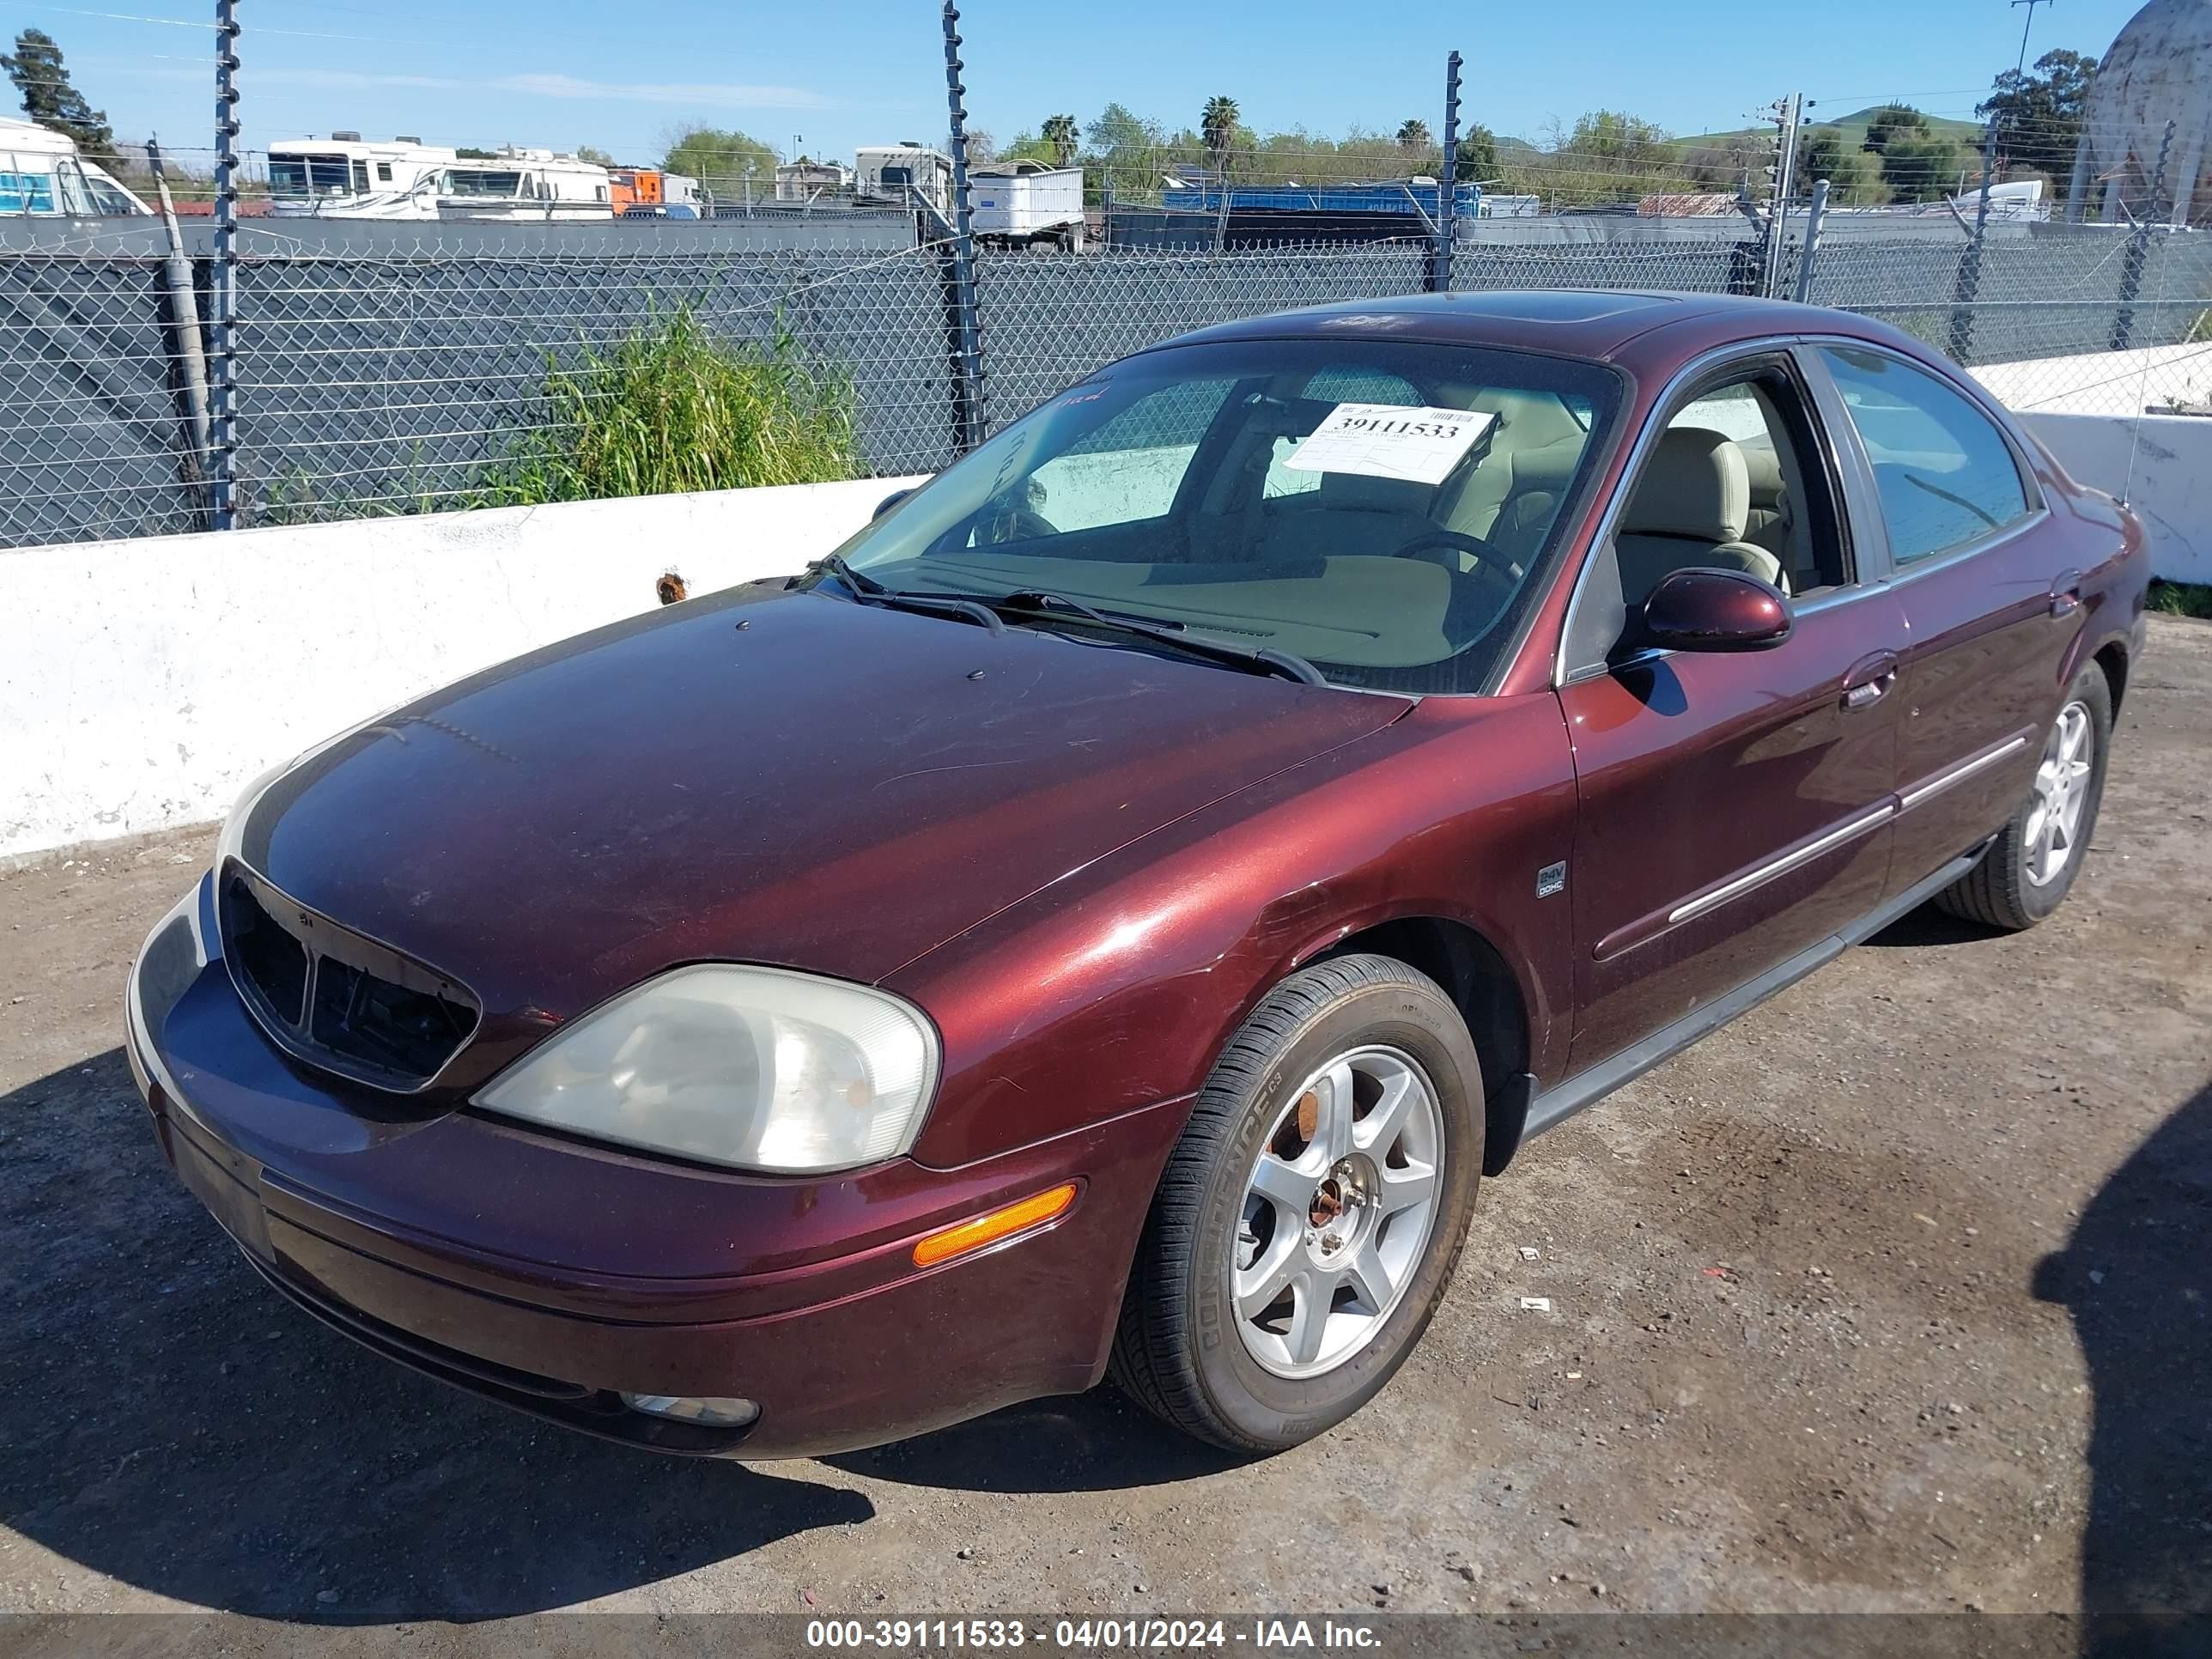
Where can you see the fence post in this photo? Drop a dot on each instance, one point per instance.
(1440, 278)
(222, 321)
(966, 325)
(1787, 113)
(185, 346)
(1810, 252)
(1970, 262)
(2138, 253)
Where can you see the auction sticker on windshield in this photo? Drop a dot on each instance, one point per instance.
(1389, 440)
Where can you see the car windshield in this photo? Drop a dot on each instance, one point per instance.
(1378, 508)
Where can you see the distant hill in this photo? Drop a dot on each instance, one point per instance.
(1852, 126)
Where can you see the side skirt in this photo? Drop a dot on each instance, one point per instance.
(1552, 1107)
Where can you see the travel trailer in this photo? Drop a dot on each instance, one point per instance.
(42, 176)
(343, 176)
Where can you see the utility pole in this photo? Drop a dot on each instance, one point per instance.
(2031, 6)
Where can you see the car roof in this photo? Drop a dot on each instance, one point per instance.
(1634, 328)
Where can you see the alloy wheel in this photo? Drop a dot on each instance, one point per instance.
(1337, 1213)
(2062, 788)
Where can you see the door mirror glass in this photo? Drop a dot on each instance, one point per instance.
(1715, 610)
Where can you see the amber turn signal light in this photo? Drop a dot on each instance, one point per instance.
(990, 1228)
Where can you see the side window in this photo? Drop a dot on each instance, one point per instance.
(1128, 470)
(1945, 473)
(1733, 484)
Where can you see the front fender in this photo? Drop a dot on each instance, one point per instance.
(1119, 984)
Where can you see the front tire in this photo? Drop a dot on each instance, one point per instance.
(1308, 1220)
(2030, 867)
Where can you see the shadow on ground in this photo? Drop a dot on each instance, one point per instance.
(170, 1422)
(2136, 1276)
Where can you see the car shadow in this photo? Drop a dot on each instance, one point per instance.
(170, 1422)
(2136, 1277)
(1918, 929)
(1096, 1442)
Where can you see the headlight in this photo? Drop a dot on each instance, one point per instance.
(758, 1068)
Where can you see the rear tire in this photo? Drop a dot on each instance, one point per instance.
(2030, 867)
(1336, 1148)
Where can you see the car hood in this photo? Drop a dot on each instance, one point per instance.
(790, 779)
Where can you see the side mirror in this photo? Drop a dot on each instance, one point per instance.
(890, 501)
(1715, 610)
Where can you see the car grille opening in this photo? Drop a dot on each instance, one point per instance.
(336, 999)
(268, 956)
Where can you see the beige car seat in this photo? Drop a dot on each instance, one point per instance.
(1689, 513)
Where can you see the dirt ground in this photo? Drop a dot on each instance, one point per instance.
(1891, 1297)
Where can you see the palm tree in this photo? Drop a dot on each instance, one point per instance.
(1063, 134)
(1218, 127)
(1414, 134)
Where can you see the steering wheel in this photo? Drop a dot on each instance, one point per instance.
(1478, 596)
(1012, 524)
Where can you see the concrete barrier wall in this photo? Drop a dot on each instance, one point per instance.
(2159, 464)
(144, 682)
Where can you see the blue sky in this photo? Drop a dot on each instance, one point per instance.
(564, 72)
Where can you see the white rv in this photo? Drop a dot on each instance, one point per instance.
(884, 172)
(528, 186)
(42, 176)
(341, 177)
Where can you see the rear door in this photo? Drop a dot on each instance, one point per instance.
(1734, 808)
(1991, 608)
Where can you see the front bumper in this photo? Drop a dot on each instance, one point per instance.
(554, 1277)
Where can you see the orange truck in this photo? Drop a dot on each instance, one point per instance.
(635, 187)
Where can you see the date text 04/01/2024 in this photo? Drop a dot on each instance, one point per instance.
(1148, 1634)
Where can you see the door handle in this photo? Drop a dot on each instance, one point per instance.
(1870, 680)
(2066, 593)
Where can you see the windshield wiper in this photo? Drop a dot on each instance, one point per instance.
(1266, 659)
(868, 590)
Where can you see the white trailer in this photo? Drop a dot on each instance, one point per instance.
(886, 172)
(1028, 204)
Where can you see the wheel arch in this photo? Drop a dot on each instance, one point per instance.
(1482, 984)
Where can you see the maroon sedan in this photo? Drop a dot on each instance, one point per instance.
(1107, 917)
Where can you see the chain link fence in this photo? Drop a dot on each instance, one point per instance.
(391, 375)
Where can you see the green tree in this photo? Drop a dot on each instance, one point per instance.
(593, 153)
(716, 157)
(1216, 126)
(1414, 134)
(1060, 132)
(2038, 114)
(1921, 168)
(1608, 156)
(1824, 152)
(1477, 158)
(1893, 121)
(49, 99)
(471, 153)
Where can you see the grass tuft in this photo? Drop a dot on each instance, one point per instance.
(2182, 598)
(675, 408)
